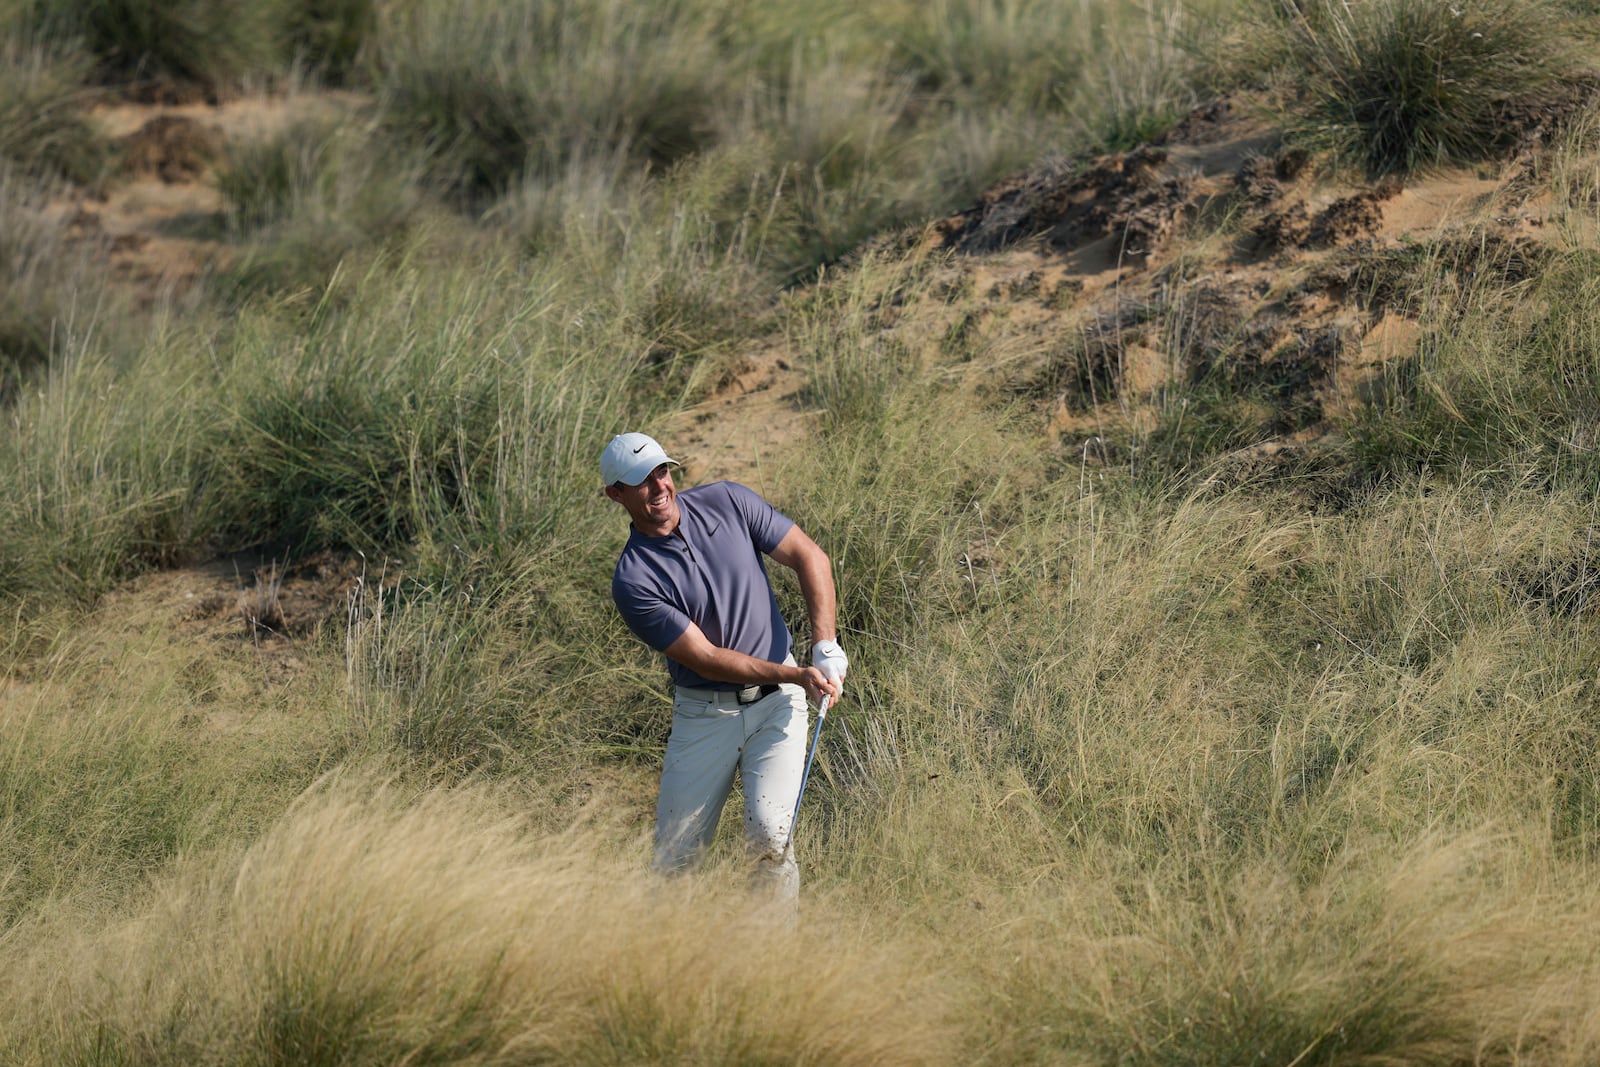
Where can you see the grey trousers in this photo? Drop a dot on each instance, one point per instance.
(765, 742)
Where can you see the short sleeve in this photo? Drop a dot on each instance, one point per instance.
(651, 617)
(767, 525)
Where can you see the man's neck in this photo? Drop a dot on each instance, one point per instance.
(666, 529)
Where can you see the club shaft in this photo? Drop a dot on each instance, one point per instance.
(822, 715)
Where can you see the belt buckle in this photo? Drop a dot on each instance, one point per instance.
(749, 694)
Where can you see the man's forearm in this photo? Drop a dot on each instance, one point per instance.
(814, 570)
(696, 652)
(816, 586)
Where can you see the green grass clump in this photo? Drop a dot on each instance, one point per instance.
(1012, 53)
(1401, 85)
(684, 258)
(1116, 70)
(35, 265)
(494, 87)
(42, 103)
(324, 195)
(214, 44)
(1502, 381)
(331, 36)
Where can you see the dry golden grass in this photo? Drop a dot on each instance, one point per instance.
(375, 925)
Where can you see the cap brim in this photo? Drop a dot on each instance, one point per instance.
(638, 472)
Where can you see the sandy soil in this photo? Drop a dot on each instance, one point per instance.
(161, 213)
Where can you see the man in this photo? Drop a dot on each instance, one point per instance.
(691, 584)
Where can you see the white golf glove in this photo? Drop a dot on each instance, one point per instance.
(829, 658)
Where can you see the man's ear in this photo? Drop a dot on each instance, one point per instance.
(613, 492)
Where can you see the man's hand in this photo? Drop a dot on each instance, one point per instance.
(818, 685)
(695, 651)
(829, 658)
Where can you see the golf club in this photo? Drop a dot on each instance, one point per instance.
(822, 715)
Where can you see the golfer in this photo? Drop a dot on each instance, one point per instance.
(691, 584)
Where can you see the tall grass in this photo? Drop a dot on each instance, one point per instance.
(332, 37)
(213, 44)
(1402, 85)
(42, 104)
(1016, 53)
(679, 258)
(406, 405)
(52, 288)
(496, 87)
(1205, 783)
(503, 666)
(431, 403)
(324, 195)
(100, 491)
(1133, 767)
(365, 928)
(121, 754)
(839, 135)
(1161, 780)
(1420, 959)
(1501, 372)
(326, 170)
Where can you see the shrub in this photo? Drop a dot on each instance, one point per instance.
(214, 43)
(1399, 85)
(495, 87)
(42, 104)
(331, 35)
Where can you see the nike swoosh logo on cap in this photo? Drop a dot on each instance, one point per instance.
(641, 448)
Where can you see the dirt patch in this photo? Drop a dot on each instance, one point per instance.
(1349, 218)
(166, 91)
(1219, 258)
(757, 412)
(174, 148)
(248, 597)
(161, 214)
(267, 608)
(1127, 198)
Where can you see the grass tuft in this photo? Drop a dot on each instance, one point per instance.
(1403, 85)
(213, 44)
(366, 928)
(496, 88)
(43, 101)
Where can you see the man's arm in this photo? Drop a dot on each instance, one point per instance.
(815, 571)
(694, 650)
(811, 565)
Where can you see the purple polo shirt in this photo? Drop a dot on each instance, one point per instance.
(712, 575)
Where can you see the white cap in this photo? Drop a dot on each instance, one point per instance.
(629, 459)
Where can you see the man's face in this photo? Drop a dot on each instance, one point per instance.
(652, 504)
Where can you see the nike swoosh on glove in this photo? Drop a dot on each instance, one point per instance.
(829, 658)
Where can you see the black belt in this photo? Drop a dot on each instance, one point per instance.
(748, 695)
